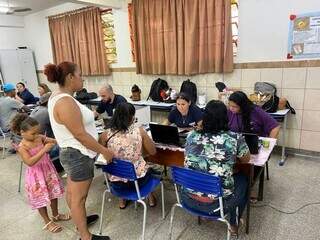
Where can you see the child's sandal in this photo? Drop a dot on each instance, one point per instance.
(52, 227)
(61, 217)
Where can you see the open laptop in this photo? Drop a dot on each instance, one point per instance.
(252, 141)
(166, 134)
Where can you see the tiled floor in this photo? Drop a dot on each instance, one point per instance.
(291, 186)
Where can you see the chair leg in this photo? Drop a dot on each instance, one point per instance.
(237, 216)
(267, 169)
(171, 219)
(228, 234)
(162, 200)
(4, 147)
(20, 176)
(144, 217)
(102, 211)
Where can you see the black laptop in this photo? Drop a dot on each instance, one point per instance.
(167, 135)
(252, 141)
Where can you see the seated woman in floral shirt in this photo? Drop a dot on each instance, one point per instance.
(214, 149)
(127, 142)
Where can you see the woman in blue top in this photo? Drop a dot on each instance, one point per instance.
(24, 95)
(185, 114)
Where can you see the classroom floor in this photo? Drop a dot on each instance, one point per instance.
(291, 186)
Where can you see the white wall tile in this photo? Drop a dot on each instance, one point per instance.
(313, 79)
(294, 77)
(249, 77)
(272, 75)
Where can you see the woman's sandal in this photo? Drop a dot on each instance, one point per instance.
(152, 203)
(52, 227)
(125, 204)
(253, 200)
(233, 233)
(61, 217)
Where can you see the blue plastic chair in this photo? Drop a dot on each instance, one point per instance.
(199, 182)
(125, 169)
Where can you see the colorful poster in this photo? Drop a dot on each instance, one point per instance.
(304, 36)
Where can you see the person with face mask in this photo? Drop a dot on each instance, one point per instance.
(185, 114)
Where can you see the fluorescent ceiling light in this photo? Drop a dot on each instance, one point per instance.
(4, 9)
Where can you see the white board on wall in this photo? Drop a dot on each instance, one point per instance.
(17, 65)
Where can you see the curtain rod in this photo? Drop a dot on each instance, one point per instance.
(70, 12)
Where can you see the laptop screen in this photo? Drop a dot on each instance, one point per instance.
(252, 141)
(164, 134)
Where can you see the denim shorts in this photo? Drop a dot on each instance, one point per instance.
(78, 166)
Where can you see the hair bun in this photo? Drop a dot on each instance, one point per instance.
(51, 71)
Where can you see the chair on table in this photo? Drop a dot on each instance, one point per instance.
(199, 182)
(125, 169)
(3, 136)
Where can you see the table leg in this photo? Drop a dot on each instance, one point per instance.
(261, 185)
(267, 169)
(283, 154)
(250, 185)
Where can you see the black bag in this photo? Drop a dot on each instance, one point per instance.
(190, 89)
(83, 95)
(157, 86)
(268, 91)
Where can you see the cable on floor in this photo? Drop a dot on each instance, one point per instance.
(285, 212)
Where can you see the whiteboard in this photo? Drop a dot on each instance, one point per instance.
(17, 65)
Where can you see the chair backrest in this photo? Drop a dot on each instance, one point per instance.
(121, 168)
(197, 181)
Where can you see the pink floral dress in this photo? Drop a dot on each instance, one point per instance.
(42, 182)
(128, 146)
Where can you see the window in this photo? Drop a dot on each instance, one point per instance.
(108, 35)
(234, 22)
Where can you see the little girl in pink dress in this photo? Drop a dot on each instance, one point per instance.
(42, 183)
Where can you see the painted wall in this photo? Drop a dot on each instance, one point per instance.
(38, 35)
(11, 32)
(263, 27)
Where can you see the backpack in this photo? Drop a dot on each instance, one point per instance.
(159, 85)
(265, 96)
(83, 95)
(190, 89)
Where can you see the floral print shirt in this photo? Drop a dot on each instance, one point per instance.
(215, 154)
(128, 146)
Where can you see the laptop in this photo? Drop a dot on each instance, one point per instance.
(252, 141)
(167, 135)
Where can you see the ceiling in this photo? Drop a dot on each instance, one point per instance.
(38, 5)
(35, 5)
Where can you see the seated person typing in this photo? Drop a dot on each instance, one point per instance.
(214, 149)
(127, 142)
(244, 116)
(185, 114)
(109, 101)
